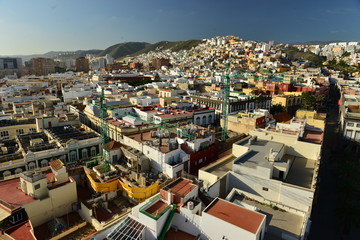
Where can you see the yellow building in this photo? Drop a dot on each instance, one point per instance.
(9, 129)
(312, 118)
(136, 192)
(43, 195)
(290, 101)
(166, 101)
(243, 122)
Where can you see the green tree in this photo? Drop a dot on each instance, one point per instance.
(277, 108)
(308, 101)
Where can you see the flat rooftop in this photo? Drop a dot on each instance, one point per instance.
(301, 171)
(4, 123)
(180, 187)
(25, 140)
(65, 133)
(21, 231)
(178, 235)
(279, 219)
(162, 145)
(222, 168)
(10, 157)
(313, 137)
(44, 231)
(127, 229)
(235, 215)
(157, 208)
(12, 197)
(258, 154)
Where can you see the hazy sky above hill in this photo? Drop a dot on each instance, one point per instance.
(39, 26)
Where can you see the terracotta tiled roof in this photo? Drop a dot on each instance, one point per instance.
(236, 215)
(56, 164)
(282, 117)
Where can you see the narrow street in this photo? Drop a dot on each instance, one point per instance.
(324, 222)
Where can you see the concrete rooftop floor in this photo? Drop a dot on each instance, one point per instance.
(278, 221)
(221, 169)
(301, 171)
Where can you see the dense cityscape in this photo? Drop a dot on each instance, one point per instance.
(219, 138)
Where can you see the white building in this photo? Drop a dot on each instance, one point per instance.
(177, 213)
(74, 92)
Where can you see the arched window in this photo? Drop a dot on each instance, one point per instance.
(6, 173)
(31, 166)
(93, 151)
(63, 158)
(72, 156)
(44, 163)
(204, 122)
(198, 121)
(210, 119)
(84, 153)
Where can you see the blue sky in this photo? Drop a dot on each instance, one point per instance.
(39, 26)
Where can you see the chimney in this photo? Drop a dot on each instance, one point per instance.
(141, 136)
(160, 142)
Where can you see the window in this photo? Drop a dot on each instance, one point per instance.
(37, 186)
(348, 133)
(93, 151)
(44, 163)
(31, 166)
(198, 121)
(32, 130)
(357, 136)
(114, 158)
(63, 158)
(16, 218)
(210, 119)
(6, 173)
(4, 134)
(350, 124)
(19, 131)
(72, 156)
(84, 153)
(204, 120)
(265, 189)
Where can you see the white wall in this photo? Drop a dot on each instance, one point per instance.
(217, 229)
(285, 194)
(187, 225)
(258, 171)
(294, 147)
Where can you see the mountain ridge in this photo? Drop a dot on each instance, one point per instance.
(117, 51)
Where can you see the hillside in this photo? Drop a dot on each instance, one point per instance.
(136, 48)
(58, 54)
(123, 49)
(174, 46)
(118, 50)
(296, 54)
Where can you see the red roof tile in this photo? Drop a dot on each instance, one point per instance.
(157, 208)
(236, 215)
(21, 231)
(181, 187)
(12, 195)
(56, 164)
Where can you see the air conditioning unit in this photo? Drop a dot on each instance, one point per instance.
(174, 228)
